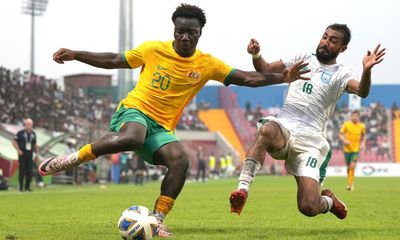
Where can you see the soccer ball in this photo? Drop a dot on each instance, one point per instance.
(137, 223)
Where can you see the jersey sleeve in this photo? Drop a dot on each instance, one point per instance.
(136, 57)
(298, 57)
(220, 71)
(347, 75)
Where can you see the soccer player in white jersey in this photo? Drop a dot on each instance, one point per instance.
(296, 134)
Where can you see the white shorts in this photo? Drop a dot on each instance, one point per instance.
(304, 154)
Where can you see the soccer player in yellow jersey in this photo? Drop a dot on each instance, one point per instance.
(352, 134)
(172, 72)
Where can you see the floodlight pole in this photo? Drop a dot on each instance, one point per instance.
(33, 8)
(33, 38)
(125, 76)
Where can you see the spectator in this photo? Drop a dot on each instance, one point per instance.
(3, 181)
(140, 171)
(124, 166)
(201, 164)
(222, 165)
(115, 167)
(230, 168)
(212, 165)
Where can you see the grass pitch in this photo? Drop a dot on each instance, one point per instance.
(202, 211)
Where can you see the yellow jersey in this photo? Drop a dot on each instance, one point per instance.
(168, 82)
(353, 133)
(211, 162)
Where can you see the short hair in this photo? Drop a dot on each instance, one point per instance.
(27, 120)
(190, 11)
(344, 29)
(356, 112)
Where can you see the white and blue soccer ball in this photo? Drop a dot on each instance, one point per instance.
(137, 223)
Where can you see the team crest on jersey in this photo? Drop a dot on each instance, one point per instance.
(194, 74)
(326, 77)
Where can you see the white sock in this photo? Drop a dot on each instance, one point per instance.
(159, 216)
(249, 171)
(329, 201)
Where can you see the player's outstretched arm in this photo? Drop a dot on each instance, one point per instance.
(100, 60)
(259, 79)
(371, 59)
(259, 63)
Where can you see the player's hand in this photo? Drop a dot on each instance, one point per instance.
(63, 54)
(373, 58)
(253, 47)
(20, 153)
(296, 72)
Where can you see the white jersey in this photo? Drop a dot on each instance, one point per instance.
(309, 104)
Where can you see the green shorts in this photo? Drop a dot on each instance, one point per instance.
(156, 137)
(350, 157)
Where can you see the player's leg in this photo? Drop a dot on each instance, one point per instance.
(162, 147)
(269, 138)
(174, 157)
(309, 200)
(309, 159)
(347, 158)
(351, 168)
(129, 128)
(131, 136)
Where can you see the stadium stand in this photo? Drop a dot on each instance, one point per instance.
(190, 121)
(244, 129)
(396, 135)
(224, 114)
(43, 100)
(218, 120)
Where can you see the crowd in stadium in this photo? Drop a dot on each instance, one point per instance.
(51, 108)
(376, 120)
(43, 100)
(375, 117)
(190, 121)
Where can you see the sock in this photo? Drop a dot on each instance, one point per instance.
(162, 207)
(329, 202)
(351, 176)
(86, 153)
(249, 171)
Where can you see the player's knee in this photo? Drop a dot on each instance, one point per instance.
(309, 209)
(129, 141)
(266, 135)
(178, 160)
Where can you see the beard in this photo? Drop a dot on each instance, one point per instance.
(327, 56)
